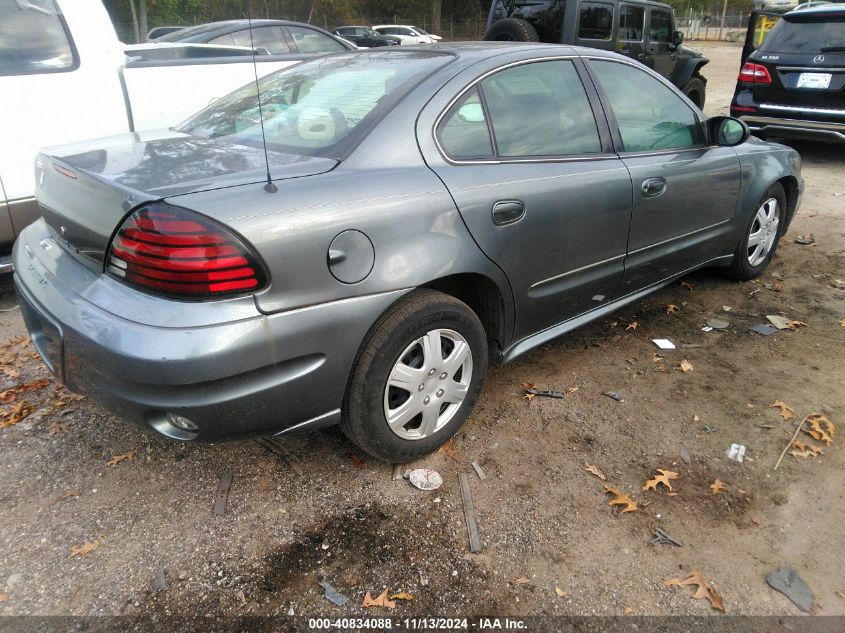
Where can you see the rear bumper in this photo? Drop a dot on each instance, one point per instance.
(252, 375)
(796, 128)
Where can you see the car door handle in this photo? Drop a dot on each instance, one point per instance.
(653, 187)
(508, 212)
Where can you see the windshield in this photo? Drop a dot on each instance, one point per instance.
(318, 108)
(805, 36)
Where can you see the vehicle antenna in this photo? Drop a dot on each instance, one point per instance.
(269, 187)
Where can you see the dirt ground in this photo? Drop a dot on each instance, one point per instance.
(551, 543)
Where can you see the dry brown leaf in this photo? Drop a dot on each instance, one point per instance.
(821, 428)
(794, 325)
(379, 601)
(402, 595)
(633, 325)
(356, 461)
(621, 499)
(663, 478)
(755, 520)
(686, 284)
(657, 358)
(685, 365)
(527, 385)
(55, 428)
(19, 412)
(627, 611)
(68, 494)
(786, 412)
(3, 597)
(842, 322)
(116, 459)
(671, 308)
(86, 548)
(449, 449)
(717, 486)
(528, 396)
(705, 589)
(592, 469)
(560, 592)
(572, 390)
(522, 580)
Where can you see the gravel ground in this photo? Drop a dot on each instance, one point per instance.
(551, 543)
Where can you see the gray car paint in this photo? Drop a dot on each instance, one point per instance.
(281, 358)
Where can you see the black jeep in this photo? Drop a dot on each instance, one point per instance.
(640, 29)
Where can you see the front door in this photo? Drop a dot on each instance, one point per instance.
(685, 191)
(539, 188)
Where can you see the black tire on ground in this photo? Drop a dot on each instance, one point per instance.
(363, 420)
(695, 91)
(740, 267)
(512, 30)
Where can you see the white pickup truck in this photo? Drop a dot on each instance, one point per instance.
(64, 77)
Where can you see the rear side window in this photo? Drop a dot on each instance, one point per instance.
(596, 21)
(660, 27)
(650, 115)
(631, 23)
(33, 38)
(822, 36)
(464, 133)
(309, 41)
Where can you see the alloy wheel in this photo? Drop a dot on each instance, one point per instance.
(764, 232)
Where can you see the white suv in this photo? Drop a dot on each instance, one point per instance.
(407, 34)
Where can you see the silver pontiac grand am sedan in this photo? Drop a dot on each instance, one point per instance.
(421, 215)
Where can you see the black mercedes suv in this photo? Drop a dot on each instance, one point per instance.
(793, 85)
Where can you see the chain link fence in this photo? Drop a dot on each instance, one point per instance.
(704, 27)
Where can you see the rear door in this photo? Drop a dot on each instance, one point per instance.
(535, 180)
(658, 55)
(630, 31)
(685, 192)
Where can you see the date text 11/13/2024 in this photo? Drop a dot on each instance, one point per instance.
(418, 624)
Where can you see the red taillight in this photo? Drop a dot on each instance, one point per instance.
(754, 74)
(181, 254)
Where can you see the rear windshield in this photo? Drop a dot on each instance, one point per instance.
(806, 36)
(319, 108)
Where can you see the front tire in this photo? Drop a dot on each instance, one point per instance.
(761, 235)
(512, 30)
(695, 90)
(417, 377)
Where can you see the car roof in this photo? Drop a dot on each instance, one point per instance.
(212, 29)
(835, 9)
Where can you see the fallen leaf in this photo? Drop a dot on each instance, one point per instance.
(842, 322)
(592, 469)
(522, 580)
(755, 520)
(705, 589)
(671, 494)
(816, 422)
(786, 412)
(86, 548)
(686, 284)
(794, 325)
(57, 427)
(449, 449)
(562, 594)
(68, 495)
(401, 596)
(3, 597)
(620, 499)
(572, 390)
(19, 412)
(116, 459)
(717, 486)
(379, 601)
(633, 325)
(671, 308)
(656, 358)
(528, 396)
(685, 365)
(356, 461)
(695, 418)
(527, 385)
(627, 611)
(663, 478)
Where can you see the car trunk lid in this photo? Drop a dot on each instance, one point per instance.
(85, 190)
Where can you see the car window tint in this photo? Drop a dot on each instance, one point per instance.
(270, 37)
(540, 109)
(310, 41)
(806, 36)
(649, 114)
(464, 133)
(596, 21)
(660, 27)
(631, 23)
(33, 38)
(225, 40)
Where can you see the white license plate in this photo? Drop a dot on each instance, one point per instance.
(814, 80)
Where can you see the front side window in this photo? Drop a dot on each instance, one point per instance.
(631, 23)
(318, 108)
(309, 41)
(33, 38)
(464, 133)
(650, 115)
(660, 27)
(596, 21)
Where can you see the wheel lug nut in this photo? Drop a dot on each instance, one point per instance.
(440, 393)
(432, 372)
(421, 387)
(443, 376)
(426, 400)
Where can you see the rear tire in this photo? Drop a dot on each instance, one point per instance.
(512, 30)
(435, 346)
(695, 90)
(760, 236)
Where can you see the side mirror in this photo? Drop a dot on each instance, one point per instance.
(471, 113)
(727, 131)
(677, 39)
